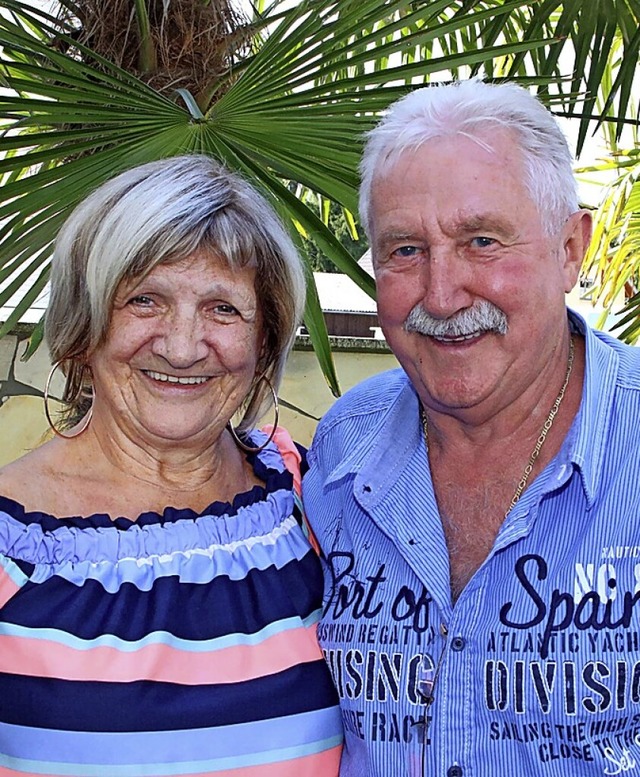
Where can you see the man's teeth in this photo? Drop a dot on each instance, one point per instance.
(460, 339)
(188, 381)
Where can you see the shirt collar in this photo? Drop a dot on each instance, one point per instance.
(589, 444)
(386, 450)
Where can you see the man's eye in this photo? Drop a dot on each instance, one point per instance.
(482, 242)
(406, 251)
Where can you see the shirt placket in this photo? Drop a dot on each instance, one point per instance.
(455, 698)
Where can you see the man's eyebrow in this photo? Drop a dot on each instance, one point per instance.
(480, 222)
(394, 236)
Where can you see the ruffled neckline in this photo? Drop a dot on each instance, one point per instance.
(267, 466)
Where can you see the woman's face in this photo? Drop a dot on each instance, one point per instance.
(181, 352)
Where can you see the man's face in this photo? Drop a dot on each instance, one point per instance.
(454, 232)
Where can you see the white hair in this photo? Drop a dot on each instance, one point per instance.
(158, 213)
(475, 109)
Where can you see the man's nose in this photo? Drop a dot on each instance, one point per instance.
(445, 282)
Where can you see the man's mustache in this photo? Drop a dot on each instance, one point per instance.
(482, 316)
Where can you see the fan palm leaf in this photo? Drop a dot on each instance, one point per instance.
(292, 94)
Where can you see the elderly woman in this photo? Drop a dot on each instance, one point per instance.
(158, 598)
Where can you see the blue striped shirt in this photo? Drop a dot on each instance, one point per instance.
(540, 656)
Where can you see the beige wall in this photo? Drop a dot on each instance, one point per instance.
(22, 418)
(24, 426)
(305, 386)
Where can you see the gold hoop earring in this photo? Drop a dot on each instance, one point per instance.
(276, 408)
(54, 429)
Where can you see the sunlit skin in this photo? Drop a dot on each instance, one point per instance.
(196, 321)
(452, 224)
(181, 353)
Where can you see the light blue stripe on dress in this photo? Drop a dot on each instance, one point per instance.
(160, 637)
(258, 742)
(16, 575)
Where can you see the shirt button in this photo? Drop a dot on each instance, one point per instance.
(457, 644)
(443, 629)
(454, 771)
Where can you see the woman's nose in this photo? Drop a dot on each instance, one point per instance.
(183, 342)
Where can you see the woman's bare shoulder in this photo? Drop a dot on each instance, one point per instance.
(30, 477)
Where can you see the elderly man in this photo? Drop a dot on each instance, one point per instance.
(479, 510)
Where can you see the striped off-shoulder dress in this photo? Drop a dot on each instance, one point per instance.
(178, 644)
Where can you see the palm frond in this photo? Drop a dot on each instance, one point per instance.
(613, 260)
(295, 92)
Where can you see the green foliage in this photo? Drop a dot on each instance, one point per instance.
(346, 230)
(292, 93)
(613, 260)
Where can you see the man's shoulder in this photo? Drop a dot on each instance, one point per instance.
(627, 356)
(372, 397)
(354, 424)
(359, 412)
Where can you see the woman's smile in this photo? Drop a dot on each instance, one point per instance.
(188, 380)
(189, 330)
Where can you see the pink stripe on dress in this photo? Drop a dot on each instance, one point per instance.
(317, 765)
(162, 663)
(8, 587)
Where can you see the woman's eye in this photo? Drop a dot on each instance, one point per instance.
(141, 299)
(225, 309)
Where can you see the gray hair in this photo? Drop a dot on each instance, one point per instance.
(473, 108)
(158, 213)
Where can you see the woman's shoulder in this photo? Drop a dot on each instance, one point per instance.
(40, 479)
(24, 479)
